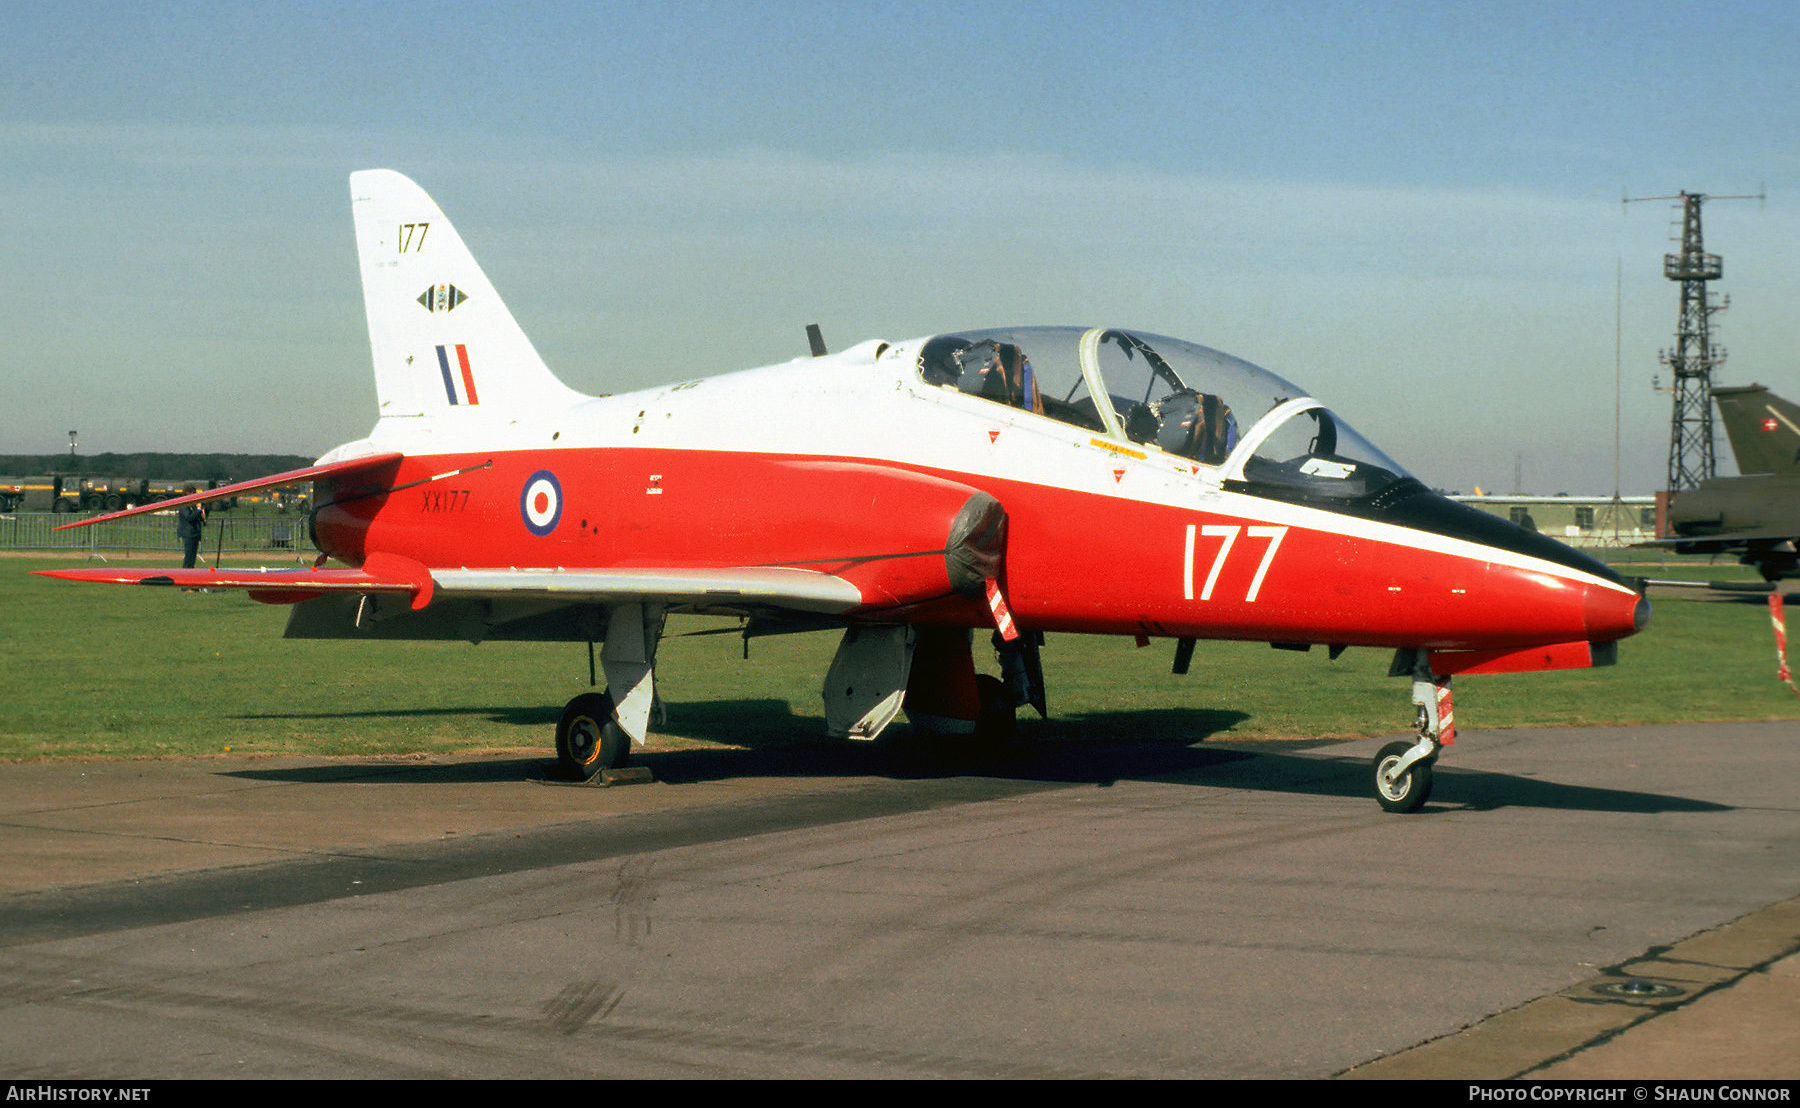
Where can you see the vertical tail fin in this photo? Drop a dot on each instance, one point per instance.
(1764, 429)
(442, 340)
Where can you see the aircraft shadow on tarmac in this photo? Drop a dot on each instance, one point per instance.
(763, 738)
(532, 716)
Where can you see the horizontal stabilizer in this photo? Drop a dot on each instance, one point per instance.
(225, 492)
(384, 573)
(753, 586)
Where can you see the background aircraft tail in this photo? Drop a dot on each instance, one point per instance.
(1764, 428)
(443, 342)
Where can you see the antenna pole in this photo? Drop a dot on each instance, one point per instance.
(1619, 331)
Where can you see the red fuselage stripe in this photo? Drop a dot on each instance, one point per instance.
(1074, 561)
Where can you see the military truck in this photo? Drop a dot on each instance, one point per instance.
(85, 493)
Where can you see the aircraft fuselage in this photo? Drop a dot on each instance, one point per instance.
(853, 466)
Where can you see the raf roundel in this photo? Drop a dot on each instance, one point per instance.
(541, 502)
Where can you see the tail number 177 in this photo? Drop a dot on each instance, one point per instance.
(1228, 536)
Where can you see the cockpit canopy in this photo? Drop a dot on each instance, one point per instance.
(1259, 432)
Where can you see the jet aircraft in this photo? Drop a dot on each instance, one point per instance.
(912, 495)
(1755, 515)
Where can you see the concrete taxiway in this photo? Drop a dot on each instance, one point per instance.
(1615, 902)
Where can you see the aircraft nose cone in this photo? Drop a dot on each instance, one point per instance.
(1611, 614)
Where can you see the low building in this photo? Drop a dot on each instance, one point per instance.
(1576, 520)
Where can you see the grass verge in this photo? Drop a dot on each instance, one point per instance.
(123, 672)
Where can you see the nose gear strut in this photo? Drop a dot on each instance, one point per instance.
(1402, 770)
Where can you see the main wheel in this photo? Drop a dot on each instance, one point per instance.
(997, 725)
(587, 739)
(1408, 792)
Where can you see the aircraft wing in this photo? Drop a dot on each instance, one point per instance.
(775, 586)
(779, 586)
(1778, 534)
(223, 492)
(1715, 586)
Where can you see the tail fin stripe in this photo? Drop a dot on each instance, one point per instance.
(462, 358)
(449, 384)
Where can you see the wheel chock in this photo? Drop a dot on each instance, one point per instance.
(606, 778)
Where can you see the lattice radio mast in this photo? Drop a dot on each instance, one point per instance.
(1694, 355)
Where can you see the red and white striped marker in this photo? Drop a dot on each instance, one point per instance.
(1446, 712)
(1002, 614)
(1780, 621)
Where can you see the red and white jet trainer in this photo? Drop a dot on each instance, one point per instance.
(910, 494)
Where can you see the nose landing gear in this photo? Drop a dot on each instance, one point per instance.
(1402, 770)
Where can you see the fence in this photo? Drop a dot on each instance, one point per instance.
(155, 533)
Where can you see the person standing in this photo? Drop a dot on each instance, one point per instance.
(189, 520)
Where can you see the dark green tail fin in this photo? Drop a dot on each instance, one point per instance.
(1764, 429)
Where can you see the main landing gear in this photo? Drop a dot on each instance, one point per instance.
(978, 712)
(597, 730)
(587, 739)
(1402, 770)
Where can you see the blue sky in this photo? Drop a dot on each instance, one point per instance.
(1410, 209)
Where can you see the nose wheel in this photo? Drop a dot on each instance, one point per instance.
(1402, 784)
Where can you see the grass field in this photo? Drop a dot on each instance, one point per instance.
(124, 672)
